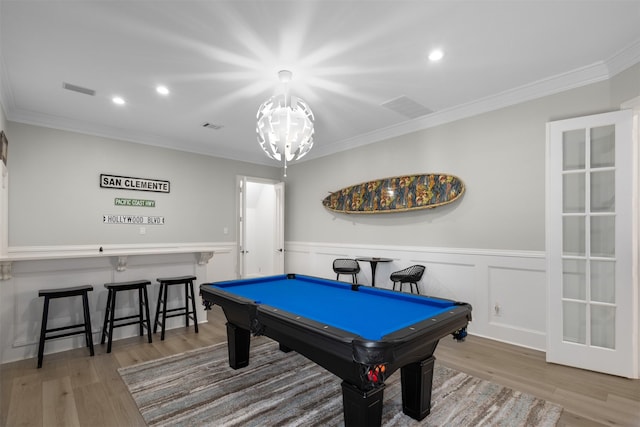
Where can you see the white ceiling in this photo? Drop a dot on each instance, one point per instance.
(220, 61)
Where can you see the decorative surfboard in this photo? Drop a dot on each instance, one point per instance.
(396, 194)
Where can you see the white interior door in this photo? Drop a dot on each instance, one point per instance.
(591, 236)
(241, 185)
(261, 227)
(278, 263)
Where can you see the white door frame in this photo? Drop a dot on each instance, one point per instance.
(278, 224)
(621, 360)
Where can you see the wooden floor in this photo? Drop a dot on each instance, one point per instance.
(73, 389)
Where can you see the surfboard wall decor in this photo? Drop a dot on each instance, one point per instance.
(396, 194)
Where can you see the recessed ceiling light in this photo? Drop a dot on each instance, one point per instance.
(118, 100)
(162, 90)
(436, 55)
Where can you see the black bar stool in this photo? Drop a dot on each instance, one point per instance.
(165, 282)
(49, 294)
(346, 266)
(411, 275)
(142, 318)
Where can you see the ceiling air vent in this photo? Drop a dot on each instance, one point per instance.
(79, 89)
(212, 126)
(407, 107)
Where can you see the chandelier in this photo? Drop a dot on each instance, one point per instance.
(285, 125)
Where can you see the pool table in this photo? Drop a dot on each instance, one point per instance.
(359, 333)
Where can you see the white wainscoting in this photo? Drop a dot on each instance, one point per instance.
(506, 289)
(514, 281)
(59, 267)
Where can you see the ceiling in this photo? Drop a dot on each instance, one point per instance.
(220, 60)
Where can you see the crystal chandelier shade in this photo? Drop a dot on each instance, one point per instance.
(285, 126)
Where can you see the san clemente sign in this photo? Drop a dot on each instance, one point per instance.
(131, 183)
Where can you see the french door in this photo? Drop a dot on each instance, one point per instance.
(592, 239)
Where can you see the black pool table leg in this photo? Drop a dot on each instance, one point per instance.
(238, 340)
(417, 379)
(362, 408)
(284, 348)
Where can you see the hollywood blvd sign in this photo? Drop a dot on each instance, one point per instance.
(133, 219)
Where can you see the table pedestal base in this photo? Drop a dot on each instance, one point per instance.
(417, 381)
(238, 341)
(362, 408)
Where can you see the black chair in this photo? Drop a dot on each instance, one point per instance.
(411, 275)
(49, 294)
(186, 311)
(142, 318)
(346, 266)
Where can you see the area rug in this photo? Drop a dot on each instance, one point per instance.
(198, 388)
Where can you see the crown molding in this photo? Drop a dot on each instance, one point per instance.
(6, 94)
(597, 72)
(624, 58)
(77, 126)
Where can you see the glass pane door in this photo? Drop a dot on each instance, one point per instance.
(591, 272)
(588, 236)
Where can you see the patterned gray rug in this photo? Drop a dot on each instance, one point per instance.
(198, 388)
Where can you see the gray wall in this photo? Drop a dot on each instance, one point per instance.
(55, 198)
(499, 155)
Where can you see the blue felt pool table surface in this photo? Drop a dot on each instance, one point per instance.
(369, 312)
